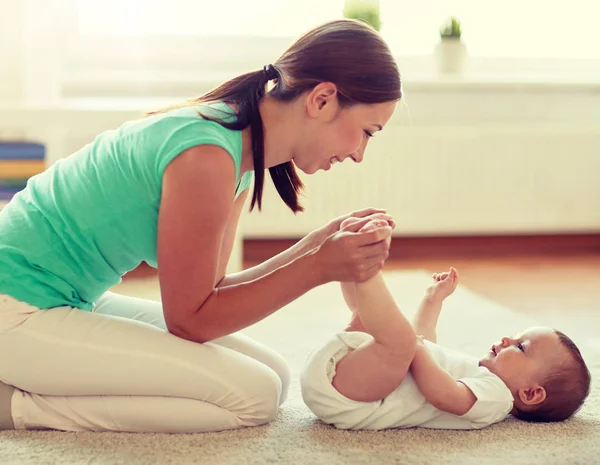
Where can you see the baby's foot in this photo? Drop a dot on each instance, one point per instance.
(374, 224)
(377, 224)
(444, 284)
(377, 216)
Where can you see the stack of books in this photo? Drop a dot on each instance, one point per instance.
(19, 161)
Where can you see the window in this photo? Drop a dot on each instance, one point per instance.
(171, 47)
(179, 47)
(511, 28)
(203, 17)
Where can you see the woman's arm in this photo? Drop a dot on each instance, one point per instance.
(307, 244)
(299, 249)
(196, 205)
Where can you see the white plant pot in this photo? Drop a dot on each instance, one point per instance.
(451, 56)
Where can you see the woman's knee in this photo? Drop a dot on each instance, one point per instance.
(260, 397)
(282, 368)
(263, 354)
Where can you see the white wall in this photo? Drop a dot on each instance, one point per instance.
(492, 151)
(472, 158)
(11, 51)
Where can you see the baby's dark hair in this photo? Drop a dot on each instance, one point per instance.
(567, 387)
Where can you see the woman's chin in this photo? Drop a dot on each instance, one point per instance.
(312, 169)
(309, 169)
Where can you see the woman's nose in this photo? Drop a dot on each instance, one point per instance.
(358, 156)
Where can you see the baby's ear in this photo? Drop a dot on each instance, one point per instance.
(532, 396)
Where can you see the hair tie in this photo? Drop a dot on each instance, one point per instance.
(270, 72)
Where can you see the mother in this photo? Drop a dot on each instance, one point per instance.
(168, 189)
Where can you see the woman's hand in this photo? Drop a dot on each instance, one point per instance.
(318, 236)
(352, 256)
(377, 220)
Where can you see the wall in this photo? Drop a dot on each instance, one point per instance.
(11, 52)
(458, 158)
(490, 152)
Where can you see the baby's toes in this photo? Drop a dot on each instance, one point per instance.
(372, 225)
(346, 222)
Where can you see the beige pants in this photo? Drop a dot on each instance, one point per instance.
(118, 369)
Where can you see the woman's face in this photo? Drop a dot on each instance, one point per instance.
(334, 134)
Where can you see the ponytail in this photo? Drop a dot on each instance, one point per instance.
(247, 91)
(348, 53)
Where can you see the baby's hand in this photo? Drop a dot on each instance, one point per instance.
(444, 284)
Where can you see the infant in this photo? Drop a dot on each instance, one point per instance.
(384, 372)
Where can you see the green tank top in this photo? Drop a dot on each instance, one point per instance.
(78, 227)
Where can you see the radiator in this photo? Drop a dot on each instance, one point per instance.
(464, 167)
(494, 179)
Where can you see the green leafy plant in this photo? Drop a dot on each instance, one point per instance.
(451, 29)
(363, 10)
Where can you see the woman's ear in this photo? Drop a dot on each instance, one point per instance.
(322, 101)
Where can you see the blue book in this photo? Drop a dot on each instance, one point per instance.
(7, 194)
(22, 151)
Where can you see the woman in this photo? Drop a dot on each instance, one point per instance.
(168, 189)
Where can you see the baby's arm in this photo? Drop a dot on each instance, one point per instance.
(437, 386)
(426, 318)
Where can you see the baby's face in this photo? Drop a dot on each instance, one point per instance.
(523, 361)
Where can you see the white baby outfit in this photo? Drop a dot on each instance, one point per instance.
(405, 407)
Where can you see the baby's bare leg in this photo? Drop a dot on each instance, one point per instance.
(375, 370)
(356, 324)
(349, 293)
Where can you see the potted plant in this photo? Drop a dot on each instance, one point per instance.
(363, 10)
(451, 52)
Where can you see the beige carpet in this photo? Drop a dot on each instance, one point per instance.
(469, 323)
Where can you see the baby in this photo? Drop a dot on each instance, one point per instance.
(382, 372)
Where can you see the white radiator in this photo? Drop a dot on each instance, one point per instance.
(477, 158)
(456, 180)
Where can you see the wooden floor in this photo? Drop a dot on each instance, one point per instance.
(560, 291)
(530, 284)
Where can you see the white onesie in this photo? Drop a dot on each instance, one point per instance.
(405, 407)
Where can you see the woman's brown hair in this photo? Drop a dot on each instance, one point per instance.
(348, 53)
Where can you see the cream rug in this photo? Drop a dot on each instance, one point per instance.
(468, 322)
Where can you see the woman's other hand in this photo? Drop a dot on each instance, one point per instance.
(351, 255)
